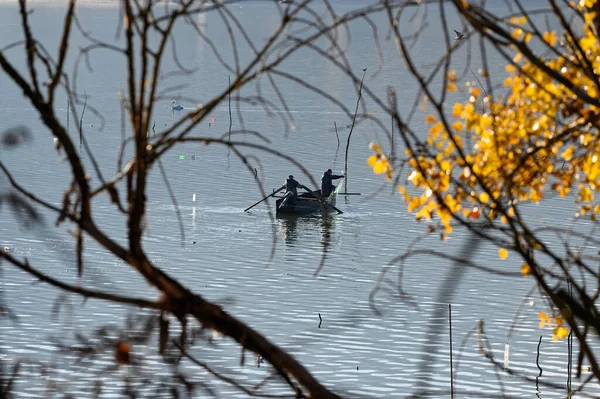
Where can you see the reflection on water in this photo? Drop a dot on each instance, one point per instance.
(288, 225)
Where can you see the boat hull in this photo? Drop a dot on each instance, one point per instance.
(307, 203)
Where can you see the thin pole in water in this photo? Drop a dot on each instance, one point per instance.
(451, 368)
(569, 348)
(537, 359)
(392, 152)
(230, 122)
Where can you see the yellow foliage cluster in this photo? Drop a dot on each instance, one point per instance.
(379, 162)
(556, 323)
(484, 156)
(542, 136)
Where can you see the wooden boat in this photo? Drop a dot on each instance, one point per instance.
(308, 203)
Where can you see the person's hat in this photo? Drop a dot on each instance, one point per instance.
(290, 177)
(329, 171)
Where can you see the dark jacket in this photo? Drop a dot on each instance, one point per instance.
(291, 185)
(326, 183)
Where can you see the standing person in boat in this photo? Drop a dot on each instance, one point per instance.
(291, 192)
(327, 186)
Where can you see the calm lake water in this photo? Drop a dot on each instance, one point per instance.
(402, 351)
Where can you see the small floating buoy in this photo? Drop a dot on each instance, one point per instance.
(586, 368)
(91, 125)
(6, 249)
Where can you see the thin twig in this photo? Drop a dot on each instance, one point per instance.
(351, 130)
(229, 380)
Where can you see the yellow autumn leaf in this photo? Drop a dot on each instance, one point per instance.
(445, 165)
(503, 253)
(589, 17)
(586, 195)
(525, 269)
(544, 320)
(568, 153)
(457, 109)
(517, 33)
(372, 160)
(436, 129)
(375, 147)
(458, 125)
(429, 119)
(518, 20)
(560, 333)
(588, 3)
(380, 166)
(452, 76)
(475, 92)
(550, 38)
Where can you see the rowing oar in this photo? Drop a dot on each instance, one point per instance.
(324, 200)
(334, 208)
(270, 195)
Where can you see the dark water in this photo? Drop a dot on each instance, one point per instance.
(400, 351)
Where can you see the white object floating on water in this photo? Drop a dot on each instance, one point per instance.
(6, 249)
(194, 198)
(175, 106)
(586, 368)
(506, 350)
(55, 140)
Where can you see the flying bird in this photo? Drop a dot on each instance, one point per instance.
(458, 35)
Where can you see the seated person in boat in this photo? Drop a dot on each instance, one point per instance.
(291, 192)
(327, 186)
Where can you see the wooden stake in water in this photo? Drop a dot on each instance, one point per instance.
(506, 353)
(537, 359)
(569, 348)
(451, 368)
